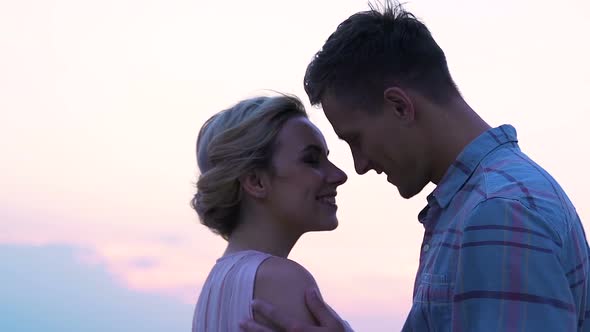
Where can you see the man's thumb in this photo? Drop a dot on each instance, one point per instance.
(319, 309)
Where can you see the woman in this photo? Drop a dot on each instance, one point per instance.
(265, 180)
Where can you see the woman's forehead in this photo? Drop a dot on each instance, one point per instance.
(299, 132)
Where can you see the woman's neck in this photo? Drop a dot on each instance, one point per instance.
(261, 234)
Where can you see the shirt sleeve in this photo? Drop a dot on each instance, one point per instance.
(510, 275)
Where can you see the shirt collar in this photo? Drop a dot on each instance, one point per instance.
(468, 160)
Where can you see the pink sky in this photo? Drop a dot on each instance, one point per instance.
(101, 102)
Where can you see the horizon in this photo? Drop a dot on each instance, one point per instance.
(101, 104)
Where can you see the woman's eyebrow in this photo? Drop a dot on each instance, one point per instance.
(315, 148)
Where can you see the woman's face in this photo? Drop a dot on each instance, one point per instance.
(303, 185)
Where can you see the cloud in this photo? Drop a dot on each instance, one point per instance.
(53, 288)
(164, 259)
(145, 263)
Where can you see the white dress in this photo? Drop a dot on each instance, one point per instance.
(225, 298)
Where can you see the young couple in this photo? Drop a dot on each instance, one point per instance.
(503, 247)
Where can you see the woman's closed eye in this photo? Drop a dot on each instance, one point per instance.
(313, 154)
(313, 160)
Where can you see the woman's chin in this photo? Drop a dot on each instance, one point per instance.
(327, 225)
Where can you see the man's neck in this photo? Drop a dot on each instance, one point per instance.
(451, 134)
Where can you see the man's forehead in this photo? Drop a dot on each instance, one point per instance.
(329, 102)
(337, 116)
(338, 108)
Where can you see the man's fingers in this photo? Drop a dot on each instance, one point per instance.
(272, 315)
(252, 326)
(320, 310)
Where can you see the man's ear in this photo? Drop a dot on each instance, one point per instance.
(400, 103)
(254, 184)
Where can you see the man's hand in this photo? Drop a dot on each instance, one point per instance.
(328, 321)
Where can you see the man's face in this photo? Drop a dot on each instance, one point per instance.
(381, 141)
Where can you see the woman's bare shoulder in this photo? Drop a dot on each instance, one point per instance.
(277, 268)
(283, 282)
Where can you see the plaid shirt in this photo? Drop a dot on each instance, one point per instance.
(503, 248)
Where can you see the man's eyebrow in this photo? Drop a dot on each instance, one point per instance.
(344, 137)
(341, 136)
(315, 148)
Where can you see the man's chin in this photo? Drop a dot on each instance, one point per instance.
(408, 193)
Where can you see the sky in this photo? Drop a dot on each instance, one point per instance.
(101, 103)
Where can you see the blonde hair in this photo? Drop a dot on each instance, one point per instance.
(232, 143)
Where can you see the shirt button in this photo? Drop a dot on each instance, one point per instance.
(425, 247)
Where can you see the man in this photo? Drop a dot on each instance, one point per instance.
(503, 246)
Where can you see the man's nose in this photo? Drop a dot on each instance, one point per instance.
(361, 163)
(337, 176)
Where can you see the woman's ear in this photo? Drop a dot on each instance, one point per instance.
(254, 184)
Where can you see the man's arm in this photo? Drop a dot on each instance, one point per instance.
(509, 273)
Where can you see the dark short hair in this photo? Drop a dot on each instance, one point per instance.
(374, 49)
